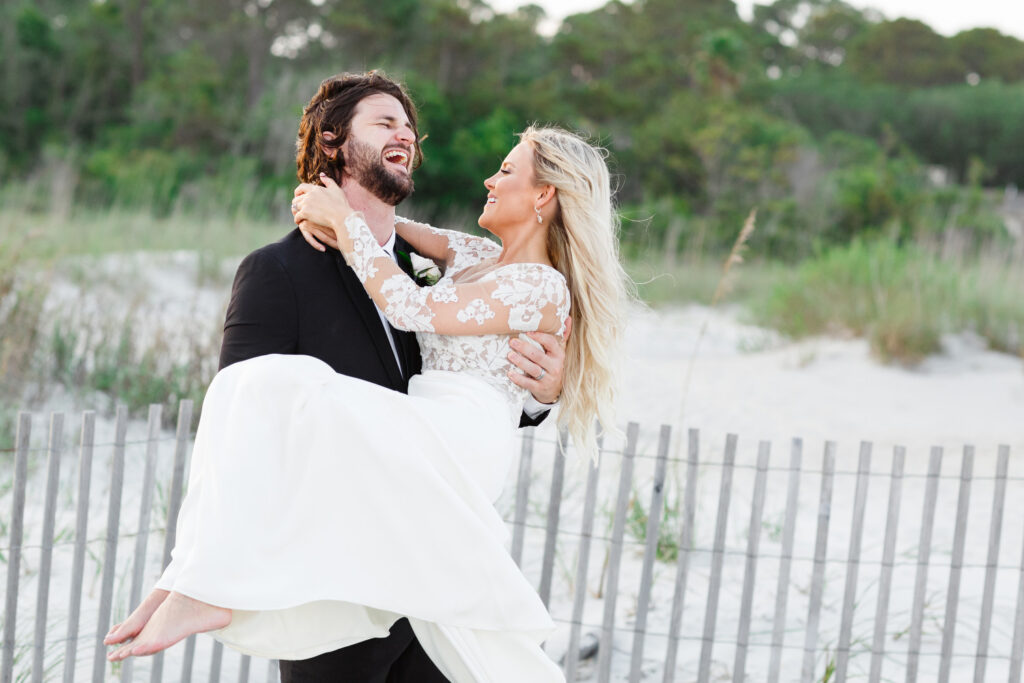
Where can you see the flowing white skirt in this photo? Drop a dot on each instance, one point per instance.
(322, 508)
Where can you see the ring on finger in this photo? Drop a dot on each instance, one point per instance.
(541, 375)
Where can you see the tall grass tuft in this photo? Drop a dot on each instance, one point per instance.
(22, 296)
(902, 298)
(723, 287)
(42, 346)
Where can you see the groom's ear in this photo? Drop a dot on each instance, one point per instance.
(330, 152)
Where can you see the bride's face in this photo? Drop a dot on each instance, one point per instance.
(512, 192)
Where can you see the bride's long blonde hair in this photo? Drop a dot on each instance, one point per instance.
(583, 244)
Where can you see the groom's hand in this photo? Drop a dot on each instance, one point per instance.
(547, 364)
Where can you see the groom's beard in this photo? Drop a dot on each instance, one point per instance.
(363, 163)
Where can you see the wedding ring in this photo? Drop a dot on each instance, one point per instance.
(541, 375)
(294, 206)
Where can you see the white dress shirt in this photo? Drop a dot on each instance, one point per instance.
(389, 248)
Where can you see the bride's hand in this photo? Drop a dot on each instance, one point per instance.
(318, 211)
(316, 235)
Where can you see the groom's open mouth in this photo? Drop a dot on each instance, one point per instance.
(397, 157)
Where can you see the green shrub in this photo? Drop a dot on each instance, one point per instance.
(901, 298)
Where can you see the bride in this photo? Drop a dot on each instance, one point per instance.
(288, 453)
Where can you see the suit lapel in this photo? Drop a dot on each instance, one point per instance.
(368, 311)
(401, 246)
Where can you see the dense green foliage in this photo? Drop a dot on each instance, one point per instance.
(823, 116)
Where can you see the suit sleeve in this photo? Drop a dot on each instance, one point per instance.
(262, 317)
(526, 421)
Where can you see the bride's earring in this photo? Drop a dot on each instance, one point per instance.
(539, 219)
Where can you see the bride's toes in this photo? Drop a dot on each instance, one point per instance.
(137, 620)
(120, 653)
(117, 634)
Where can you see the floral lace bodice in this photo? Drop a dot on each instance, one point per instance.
(461, 324)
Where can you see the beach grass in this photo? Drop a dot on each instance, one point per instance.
(47, 236)
(901, 298)
(694, 280)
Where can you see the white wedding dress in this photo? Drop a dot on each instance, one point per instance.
(322, 508)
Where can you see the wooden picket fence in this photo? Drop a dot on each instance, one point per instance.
(619, 643)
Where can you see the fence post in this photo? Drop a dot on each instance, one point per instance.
(650, 552)
(750, 571)
(81, 532)
(17, 527)
(717, 556)
(188, 660)
(956, 565)
(820, 550)
(582, 564)
(216, 661)
(1017, 648)
(142, 537)
(683, 562)
(860, 498)
(522, 495)
(995, 533)
(785, 561)
(55, 450)
(923, 554)
(99, 662)
(888, 560)
(243, 669)
(181, 439)
(554, 510)
(604, 659)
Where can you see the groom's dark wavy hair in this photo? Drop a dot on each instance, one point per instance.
(331, 110)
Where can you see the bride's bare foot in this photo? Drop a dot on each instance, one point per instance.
(177, 617)
(130, 627)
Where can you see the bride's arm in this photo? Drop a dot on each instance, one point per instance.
(520, 297)
(443, 245)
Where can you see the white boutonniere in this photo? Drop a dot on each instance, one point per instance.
(424, 270)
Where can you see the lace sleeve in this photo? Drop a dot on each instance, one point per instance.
(456, 249)
(519, 297)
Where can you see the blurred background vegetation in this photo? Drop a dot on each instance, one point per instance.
(881, 155)
(830, 120)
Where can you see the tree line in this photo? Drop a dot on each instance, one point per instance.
(826, 117)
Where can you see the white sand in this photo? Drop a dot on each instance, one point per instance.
(817, 389)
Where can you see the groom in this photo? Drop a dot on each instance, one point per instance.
(361, 130)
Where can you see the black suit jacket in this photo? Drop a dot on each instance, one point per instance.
(290, 298)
